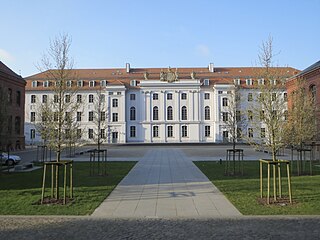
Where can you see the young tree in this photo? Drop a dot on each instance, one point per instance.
(57, 116)
(266, 125)
(301, 127)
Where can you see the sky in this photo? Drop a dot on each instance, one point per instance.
(151, 33)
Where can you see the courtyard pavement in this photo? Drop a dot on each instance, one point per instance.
(165, 183)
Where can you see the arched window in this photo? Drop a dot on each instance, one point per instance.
(207, 113)
(132, 113)
(155, 113)
(313, 91)
(184, 113)
(169, 113)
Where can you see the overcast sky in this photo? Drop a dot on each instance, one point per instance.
(150, 33)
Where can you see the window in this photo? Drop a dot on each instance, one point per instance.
(206, 82)
(18, 98)
(224, 116)
(55, 116)
(169, 113)
(237, 81)
(220, 92)
(263, 133)
(55, 98)
(79, 134)
(67, 134)
(102, 116)
(273, 82)
(155, 96)
(155, 131)
(238, 116)
(103, 83)
(118, 93)
(250, 115)
(68, 116)
(261, 115)
(34, 84)
(313, 91)
(102, 97)
(132, 131)
(207, 131)
(169, 96)
(132, 113)
(132, 97)
(33, 98)
(32, 133)
(90, 133)
(67, 98)
(102, 133)
(225, 102)
(184, 131)
(250, 97)
(261, 97)
(79, 83)
(207, 113)
(114, 117)
(79, 114)
(44, 118)
(32, 116)
(90, 116)
(183, 96)
(249, 81)
(115, 102)
(69, 83)
(133, 83)
(110, 93)
(207, 96)
(44, 98)
(92, 83)
(273, 96)
(155, 113)
(17, 125)
(250, 132)
(170, 131)
(184, 115)
(285, 97)
(79, 98)
(261, 81)
(239, 133)
(91, 98)
(286, 115)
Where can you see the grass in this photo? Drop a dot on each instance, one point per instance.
(244, 191)
(20, 191)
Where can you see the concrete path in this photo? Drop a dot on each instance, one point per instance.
(165, 184)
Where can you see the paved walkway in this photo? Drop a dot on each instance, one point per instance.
(166, 184)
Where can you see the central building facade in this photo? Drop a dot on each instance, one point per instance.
(149, 105)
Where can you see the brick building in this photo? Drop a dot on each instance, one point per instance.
(12, 95)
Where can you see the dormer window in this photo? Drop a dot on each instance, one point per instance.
(92, 83)
(206, 82)
(34, 84)
(261, 81)
(79, 83)
(133, 83)
(237, 81)
(103, 83)
(273, 82)
(45, 84)
(249, 82)
(69, 83)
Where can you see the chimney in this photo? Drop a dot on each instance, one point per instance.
(127, 67)
(211, 67)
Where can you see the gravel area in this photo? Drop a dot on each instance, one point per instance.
(95, 228)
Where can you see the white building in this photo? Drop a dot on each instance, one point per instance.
(150, 105)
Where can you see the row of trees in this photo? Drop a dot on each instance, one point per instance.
(267, 121)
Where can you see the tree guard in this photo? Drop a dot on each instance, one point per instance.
(275, 175)
(233, 156)
(98, 160)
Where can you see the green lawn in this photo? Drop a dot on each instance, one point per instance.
(244, 191)
(20, 191)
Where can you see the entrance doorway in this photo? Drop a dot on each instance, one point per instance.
(114, 137)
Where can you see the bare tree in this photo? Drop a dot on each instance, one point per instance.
(267, 115)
